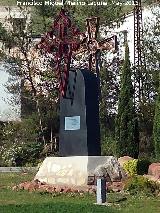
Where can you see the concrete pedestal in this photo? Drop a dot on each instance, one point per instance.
(76, 170)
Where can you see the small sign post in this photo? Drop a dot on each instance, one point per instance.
(101, 190)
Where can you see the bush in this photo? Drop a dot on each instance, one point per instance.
(8, 155)
(136, 167)
(108, 146)
(131, 167)
(142, 166)
(20, 142)
(21, 155)
(139, 184)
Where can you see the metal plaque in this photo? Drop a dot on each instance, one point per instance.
(72, 123)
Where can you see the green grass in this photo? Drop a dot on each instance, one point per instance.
(36, 202)
(32, 202)
(11, 179)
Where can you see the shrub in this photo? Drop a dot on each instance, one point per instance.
(8, 155)
(139, 184)
(156, 126)
(131, 167)
(126, 123)
(21, 155)
(142, 166)
(108, 146)
(136, 167)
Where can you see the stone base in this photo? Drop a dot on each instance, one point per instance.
(73, 171)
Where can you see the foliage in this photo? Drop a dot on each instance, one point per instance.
(41, 17)
(151, 47)
(9, 155)
(19, 132)
(142, 166)
(126, 121)
(141, 185)
(36, 97)
(108, 145)
(16, 140)
(156, 128)
(109, 96)
(150, 81)
(131, 167)
(22, 155)
(137, 166)
(21, 142)
(79, 13)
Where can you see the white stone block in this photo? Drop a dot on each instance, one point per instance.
(74, 171)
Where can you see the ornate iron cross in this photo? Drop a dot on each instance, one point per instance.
(93, 47)
(65, 41)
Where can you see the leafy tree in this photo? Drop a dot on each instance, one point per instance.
(126, 121)
(42, 15)
(152, 55)
(150, 81)
(41, 19)
(156, 127)
(39, 96)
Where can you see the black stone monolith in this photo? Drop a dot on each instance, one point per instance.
(79, 116)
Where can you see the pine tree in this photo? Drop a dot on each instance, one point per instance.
(156, 127)
(127, 136)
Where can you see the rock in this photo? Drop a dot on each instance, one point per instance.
(36, 181)
(92, 191)
(29, 186)
(79, 170)
(67, 190)
(74, 190)
(124, 159)
(81, 191)
(50, 189)
(117, 186)
(36, 184)
(81, 194)
(21, 186)
(58, 189)
(15, 188)
(111, 170)
(154, 170)
(152, 178)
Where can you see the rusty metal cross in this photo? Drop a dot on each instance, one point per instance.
(65, 41)
(94, 47)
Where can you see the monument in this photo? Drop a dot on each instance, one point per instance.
(79, 116)
(79, 145)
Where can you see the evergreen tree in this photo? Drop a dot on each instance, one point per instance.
(126, 122)
(156, 127)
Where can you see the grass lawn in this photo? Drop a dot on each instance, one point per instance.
(35, 202)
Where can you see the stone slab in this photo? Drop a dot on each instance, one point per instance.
(75, 170)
